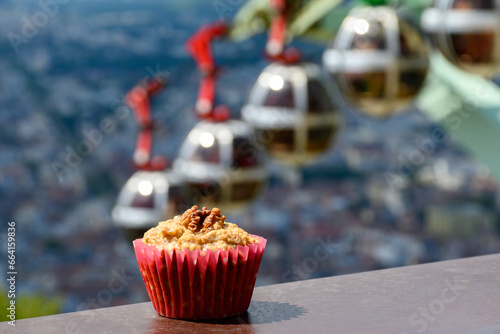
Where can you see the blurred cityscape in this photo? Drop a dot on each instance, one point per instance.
(390, 193)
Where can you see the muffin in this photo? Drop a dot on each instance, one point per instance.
(198, 266)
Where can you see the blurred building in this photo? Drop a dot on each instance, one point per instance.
(456, 220)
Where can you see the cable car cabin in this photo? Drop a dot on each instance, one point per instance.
(222, 164)
(293, 112)
(467, 32)
(378, 60)
(147, 198)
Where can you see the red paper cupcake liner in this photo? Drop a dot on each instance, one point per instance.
(200, 284)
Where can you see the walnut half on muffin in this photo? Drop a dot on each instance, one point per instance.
(197, 229)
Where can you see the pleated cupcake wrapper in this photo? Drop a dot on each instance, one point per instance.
(200, 284)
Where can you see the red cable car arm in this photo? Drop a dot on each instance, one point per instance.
(275, 46)
(138, 100)
(199, 47)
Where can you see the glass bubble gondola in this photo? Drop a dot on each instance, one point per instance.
(293, 112)
(378, 60)
(222, 165)
(147, 198)
(467, 32)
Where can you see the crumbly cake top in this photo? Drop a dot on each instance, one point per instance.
(197, 229)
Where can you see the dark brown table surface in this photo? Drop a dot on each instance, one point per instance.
(460, 296)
